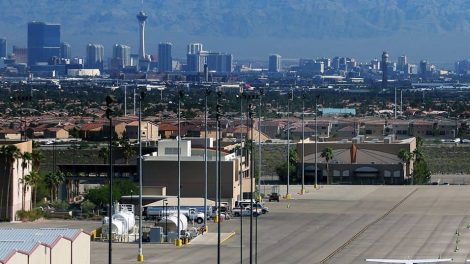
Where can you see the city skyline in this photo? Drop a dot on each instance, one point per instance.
(408, 33)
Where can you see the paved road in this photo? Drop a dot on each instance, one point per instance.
(335, 224)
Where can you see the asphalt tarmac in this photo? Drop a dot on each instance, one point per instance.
(332, 224)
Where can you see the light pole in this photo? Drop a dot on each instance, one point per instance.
(207, 93)
(218, 176)
(242, 94)
(302, 191)
(178, 241)
(316, 141)
(140, 256)
(109, 101)
(290, 97)
(250, 116)
(261, 92)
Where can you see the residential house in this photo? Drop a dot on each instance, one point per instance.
(167, 130)
(9, 134)
(119, 128)
(92, 132)
(245, 132)
(56, 132)
(149, 131)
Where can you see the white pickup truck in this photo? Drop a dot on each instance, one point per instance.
(245, 211)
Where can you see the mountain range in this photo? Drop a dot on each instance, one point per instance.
(433, 29)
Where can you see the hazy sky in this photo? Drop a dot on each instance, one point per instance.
(422, 29)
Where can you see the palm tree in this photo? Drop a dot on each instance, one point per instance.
(406, 156)
(26, 157)
(127, 149)
(103, 154)
(26, 180)
(9, 152)
(49, 180)
(53, 180)
(37, 156)
(327, 154)
(33, 179)
(58, 180)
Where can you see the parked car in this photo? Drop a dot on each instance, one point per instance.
(245, 211)
(274, 197)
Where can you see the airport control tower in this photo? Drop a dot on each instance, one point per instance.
(141, 17)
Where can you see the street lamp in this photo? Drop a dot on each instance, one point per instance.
(241, 177)
(302, 191)
(178, 241)
(261, 92)
(219, 196)
(140, 256)
(206, 93)
(250, 116)
(289, 99)
(316, 141)
(109, 111)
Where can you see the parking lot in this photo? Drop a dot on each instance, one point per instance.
(333, 224)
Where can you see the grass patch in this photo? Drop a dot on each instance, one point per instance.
(447, 158)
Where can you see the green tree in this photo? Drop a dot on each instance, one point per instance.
(37, 156)
(282, 169)
(127, 148)
(33, 180)
(100, 195)
(421, 173)
(103, 154)
(406, 156)
(328, 155)
(26, 158)
(53, 181)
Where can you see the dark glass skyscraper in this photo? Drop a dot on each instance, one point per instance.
(164, 57)
(43, 42)
(3, 48)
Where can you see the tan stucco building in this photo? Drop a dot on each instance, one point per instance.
(15, 192)
(148, 129)
(359, 161)
(161, 169)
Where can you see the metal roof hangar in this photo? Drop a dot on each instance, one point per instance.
(44, 246)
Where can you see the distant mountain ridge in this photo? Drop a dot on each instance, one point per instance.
(183, 20)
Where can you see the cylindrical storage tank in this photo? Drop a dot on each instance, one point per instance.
(117, 227)
(171, 222)
(128, 219)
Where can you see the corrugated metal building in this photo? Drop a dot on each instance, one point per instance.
(44, 246)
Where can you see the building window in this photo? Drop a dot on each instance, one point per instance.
(336, 173)
(171, 151)
(396, 174)
(346, 173)
(387, 173)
